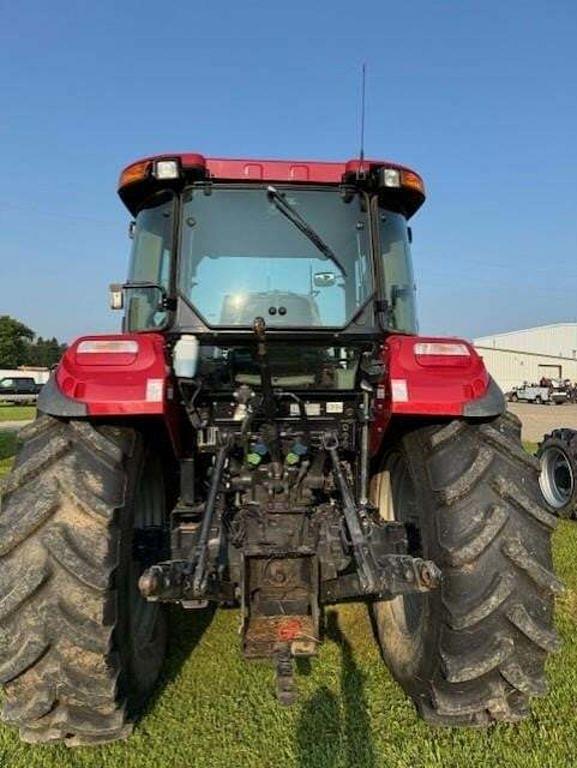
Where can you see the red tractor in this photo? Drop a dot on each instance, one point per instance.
(269, 432)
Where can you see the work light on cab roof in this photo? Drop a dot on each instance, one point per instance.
(370, 173)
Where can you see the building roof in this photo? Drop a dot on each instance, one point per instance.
(536, 328)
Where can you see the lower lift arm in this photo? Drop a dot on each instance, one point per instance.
(378, 575)
(183, 579)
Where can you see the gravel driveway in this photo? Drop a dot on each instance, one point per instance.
(538, 420)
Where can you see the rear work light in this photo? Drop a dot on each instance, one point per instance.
(442, 353)
(391, 177)
(166, 169)
(401, 178)
(107, 346)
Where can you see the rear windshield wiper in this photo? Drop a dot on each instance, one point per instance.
(293, 215)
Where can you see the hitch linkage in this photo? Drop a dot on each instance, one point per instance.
(384, 576)
(187, 579)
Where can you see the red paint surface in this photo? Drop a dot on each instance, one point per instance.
(433, 390)
(113, 384)
(289, 629)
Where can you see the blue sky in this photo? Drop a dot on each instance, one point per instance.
(480, 97)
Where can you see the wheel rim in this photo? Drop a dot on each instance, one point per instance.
(144, 615)
(557, 480)
(397, 501)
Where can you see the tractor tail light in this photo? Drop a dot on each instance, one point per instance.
(442, 354)
(107, 346)
(107, 352)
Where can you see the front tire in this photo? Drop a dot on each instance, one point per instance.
(473, 651)
(80, 650)
(558, 480)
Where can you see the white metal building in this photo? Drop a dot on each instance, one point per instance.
(525, 356)
(40, 375)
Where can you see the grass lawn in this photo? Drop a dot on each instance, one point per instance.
(7, 450)
(17, 412)
(214, 710)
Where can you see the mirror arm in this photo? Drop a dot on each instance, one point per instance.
(117, 294)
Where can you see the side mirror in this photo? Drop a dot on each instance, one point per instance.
(131, 229)
(116, 296)
(324, 279)
(400, 292)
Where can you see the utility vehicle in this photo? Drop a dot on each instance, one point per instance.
(19, 389)
(529, 393)
(269, 433)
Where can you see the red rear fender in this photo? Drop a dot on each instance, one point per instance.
(115, 375)
(112, 376)
(431, 376)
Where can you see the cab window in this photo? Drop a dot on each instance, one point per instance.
(150, 263)
(400, 289)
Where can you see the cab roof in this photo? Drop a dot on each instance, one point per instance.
(196, 166)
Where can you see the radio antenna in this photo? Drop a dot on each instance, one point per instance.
(363, 91)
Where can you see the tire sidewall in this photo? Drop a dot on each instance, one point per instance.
(135, 686)
(481, 652)
(569, 509)
(409, 657)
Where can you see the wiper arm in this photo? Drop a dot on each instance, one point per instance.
(293, 215)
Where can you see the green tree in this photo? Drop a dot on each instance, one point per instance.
(14, 340)
(44, 352)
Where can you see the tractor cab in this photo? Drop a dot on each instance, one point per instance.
(315, 249)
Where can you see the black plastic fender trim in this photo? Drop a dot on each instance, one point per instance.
(52, 402)
(491, 404)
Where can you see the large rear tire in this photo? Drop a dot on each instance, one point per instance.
(80, 650)
(473, 651)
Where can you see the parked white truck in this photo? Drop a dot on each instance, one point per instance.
(537, 394)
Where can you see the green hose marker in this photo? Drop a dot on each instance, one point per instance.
(254, 459)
